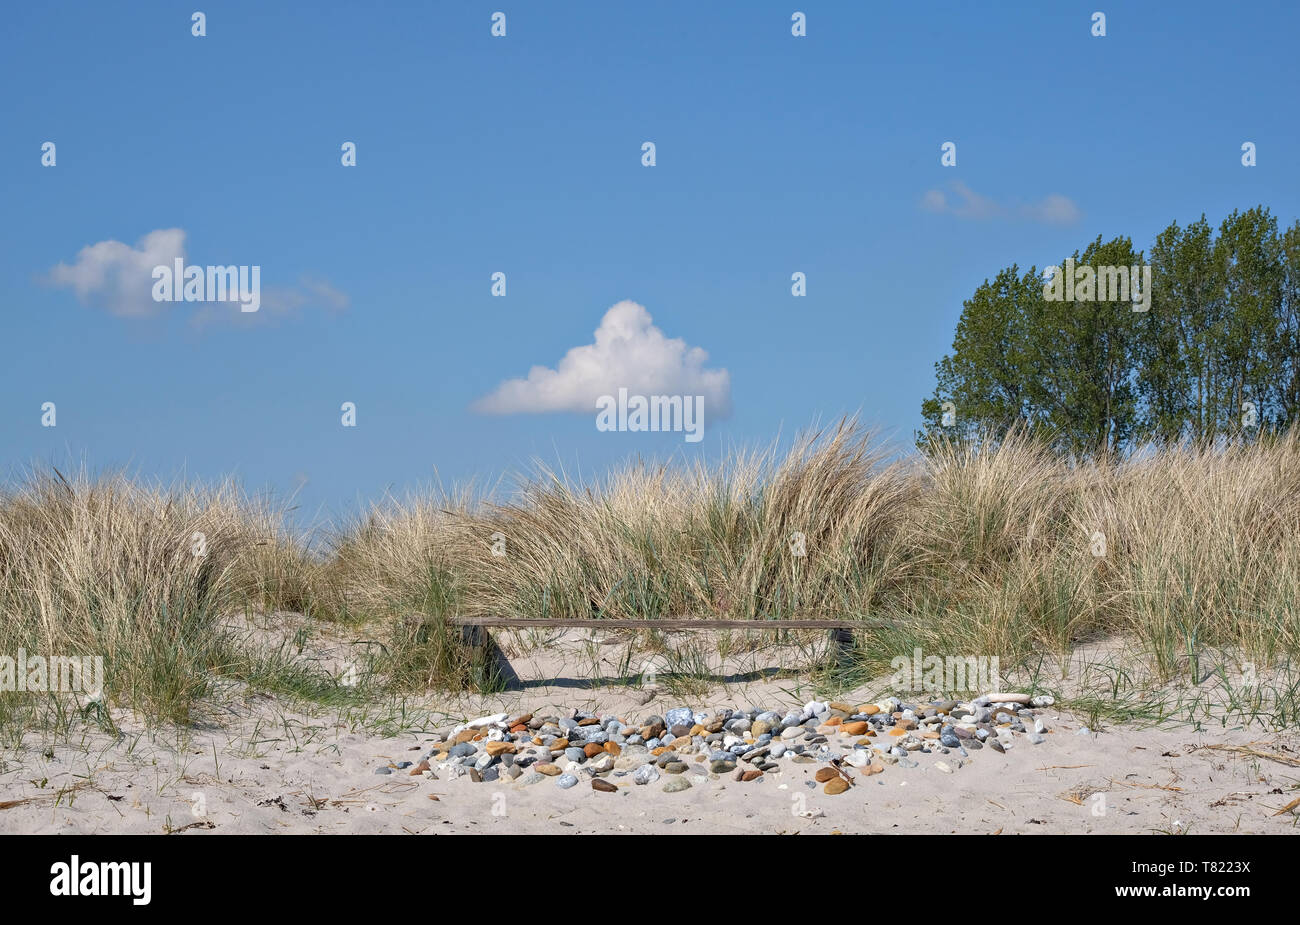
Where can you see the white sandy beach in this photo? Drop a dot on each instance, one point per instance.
(269, 769)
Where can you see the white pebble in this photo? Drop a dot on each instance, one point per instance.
(1009, 698)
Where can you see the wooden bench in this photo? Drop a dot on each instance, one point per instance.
(492, 670)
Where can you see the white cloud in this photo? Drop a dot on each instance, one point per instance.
(1054, 209)
(934, 201)
(119, 278)
(968, 203)
(277, 302)
(629, 352)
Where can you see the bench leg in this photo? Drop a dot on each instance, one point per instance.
(841, 649)
(490, 670)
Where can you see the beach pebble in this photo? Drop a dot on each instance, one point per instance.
(677, 717)
(1007, 698)
(742, 744)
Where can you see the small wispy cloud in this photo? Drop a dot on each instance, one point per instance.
(119, 278)
(628, 352)
(1055, 209)
(963, 202)
(278, 302)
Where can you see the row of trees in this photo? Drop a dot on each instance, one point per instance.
(1216, 356)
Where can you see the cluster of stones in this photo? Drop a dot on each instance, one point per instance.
(744, 744)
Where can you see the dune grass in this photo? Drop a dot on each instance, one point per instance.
(138, 575)
(972, 550)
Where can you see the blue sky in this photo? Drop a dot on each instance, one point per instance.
(522, 154)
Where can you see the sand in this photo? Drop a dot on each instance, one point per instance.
(269, 769)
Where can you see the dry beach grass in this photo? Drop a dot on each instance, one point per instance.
(986, 550)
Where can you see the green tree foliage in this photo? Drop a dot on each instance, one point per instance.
(984, 375)
(1217, 355)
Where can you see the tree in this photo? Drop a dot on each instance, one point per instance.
(1080, 351)
(1217, 355)
(1252, 348)
(1288, 323)
(1175, 342)
(1062, 368)
(984, 377)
